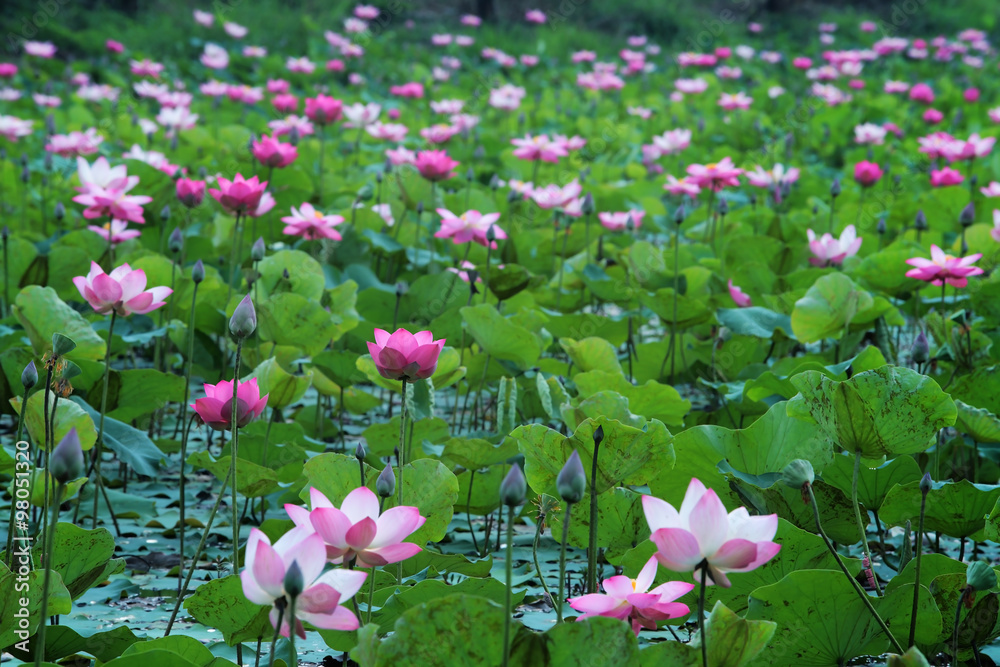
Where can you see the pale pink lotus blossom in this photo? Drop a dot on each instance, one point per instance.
(176, 118)
(301, 65)
(254, 52)
(234, 30)
(387, 131)
(411, 90)
(75, 143)
(50, 101)
(631, 600)
(123, 291)
(738, 296)
(400, 155)
(176, 98)
(583, 57)
(944, 268)
(995, 231)
(573, 143)
(154, 159)
(366, 12)
(214, 57)
(112, 203)
(464, 121)
(681, 186)
(994, 114)
(828, 250)
(116, 230)
(538, 147)
(777, 176)
(311, 224)
(245, 94)
(205, 19)
(384, 211)
(507, 97)
(991, 190)
(672, 141)
(40, 49)
(210, 88)
(691, 86)
(618, 221)
(9, 94)
(361, 115)
(642, 112)
(554, 196)
(447, 106)
(974, 147)
(896, 87)
(354, 25)
(469, 226)
(830, 94)
(716, 175)
(404, 356)
(702, 534)
(13, 128)
(146, 67)
(439, 133)
(869, 133)
(101, 175)
(733, 101)
(536, 16)
(471, 20)
(323, 594)
(283, 126)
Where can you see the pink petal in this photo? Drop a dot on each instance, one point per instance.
(386, 555)
(619, 587)
(709, 522)
(734, 555)
(360, 503)
(659, 513)
(331, 524)
(361, 534)
(269, 570)
(396, 524)
(594, 603)
(340, 618)
(677, 549)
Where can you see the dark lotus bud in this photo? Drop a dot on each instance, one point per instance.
(588, 206)
(920, 351)
(965, 247)
(25, 174)
(599, 435)
(258, 249)
(753, 199)
(135, 120)
(420, 208)
(491, 234)
(165, 213)
(198, 272)
(60, 211)
(24, 159)
(513, 487)
(572, 480)
(294, 583)
(513, 196)
(387, 166)
(494, 182)
(293, 136)
(968, 215)
(50, 124)
(244, 319)
(980, 576)
(379, 176)
(835, 188)
(470, 175)
(62, 345)
(174, 142)
(479, 153)
(202, 173)
(896, 178)
(723, 207)
(45, 181)
(286, 275)
(402, 287)
(870, 154)
(520, 119)
(789, 139)
(250, 142)
(66, 461)
(629, 223)
(473, 277)
(974, 180)
(815, 210)
(385, 485)
(680, 214)
(701, 125)
(360, 452)
(925, 483)
(798, 473)
(29, 376)
(48, 161)
(366, 193)
(880, 228)
(176, 242)
(920, 222)
(5, 232)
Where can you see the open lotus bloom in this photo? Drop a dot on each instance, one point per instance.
(702, 534)
(631, 599)
(323, 594)
(358, 530)
(944, 268)
(405, 356)
(827, 250)
(123, 291)
(216, 408)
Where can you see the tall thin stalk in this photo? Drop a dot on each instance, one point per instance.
(862, 526)
(100, 430)
(50, 545)
(562, 562)
(234, 451)
(592, 550)
(508, 578)
(186, 430)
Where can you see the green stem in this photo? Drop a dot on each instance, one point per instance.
(958, 617)
(100, 430)
(291, 632)
(401, 460)
(50, 545)
(509, 577)
(232, 257)
(562, 563)
(917, 556)
(540, 523)
(862, 525)
(277, 632)
(234, 452)
(13, 503)
(843, 568)
(701, 614)
(184, 436)
(592, 550)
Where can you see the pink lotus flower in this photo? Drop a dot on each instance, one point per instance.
(938, 144)
(974, 147)
(405, 356)
(272, 153)
(123, 290)
(216, 408)
(102, 176)
(867, 173)
(942, 178)
(190, 192)
(584, 57)
(398, 156)
(921, 92)
(146, 67)
(322, 596)
(8, 70)
(470, 226)
(827, 250)
(311, 224)
(388, 131)
(553, 196)
(991, 190)
(254, 51)
(75, 143)
(266, 204)
(573, 143)
(113, 46)
(942, 267)
(716, 175)
(277, 86)
(933, 116)
(412, 90)
(323, 109)
(117, 230)
(214, 57)
(366, 12)
(463, 271)
(439, 133)
(471, 20)
(995, 232)
(205, 19)
(536, 16)
(13, 128)
(357, 530)
(239, 195)
(971, 95)
(112, 203)
(539, 147)
(284, 102)
(40, 49)
(435, 165)
(234, 30)
(869, 133)
(731, 102)
(361, 115)
(631, 599)
(738, 295)
(702, 532)
(284, 126)
(777, 176)
(681, 186)
(616, 222)
(301, 65)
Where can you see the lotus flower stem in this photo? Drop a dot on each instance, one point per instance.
(468, 510)
(586, 226)
(322, 152)
(539, 525)
(710, 218)
(562, 562)
(917, 556)
(100, 430)
(843, 568)
(861, 525)
(6, 280)
(277, 629)
(861, 206)
(185, 433)
(11, 523)
(197, 554)
(562, 265)
(701, 613)
(234, 452)
(592, 550)
(967, 590)
(50, 545)
(456, 278)
(48, 436)
(232, 263)
(291, 632)
(508, 578)
(486, 273)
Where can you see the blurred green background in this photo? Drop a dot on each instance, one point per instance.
(163, 27)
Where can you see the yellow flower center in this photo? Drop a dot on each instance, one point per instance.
(633, 585)
(711, 165)
(107, 226)
(318, 214)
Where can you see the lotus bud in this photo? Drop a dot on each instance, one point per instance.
(379, 176)
(491, 234)
(29, 376)
(47, 161)
(258, 249)
(920, 222)
(165, 213)
(385, 485)
(723, 207)
(66, 461)
(753, 199)
(202, 173)
(5, 232)
(479, 153)
(572, 480)
(62, 345)
(798, 473)
(880, 228)
(925, 483)
(513, 487)
(366, 193)
(968, 215)
(835, 188)
(293, 136)
(980, 576)
(588, 206)
(25, 174)
(294, 583)
(60, 211)
(920, 351)
(175, 142)
(176, 242)
(513, 196)
(198, 272)
(974, 180)
(470, 175)
(244, 319)
(679, 215)
(598, 436)
(360, 452)
(402, 288)
(420, 208)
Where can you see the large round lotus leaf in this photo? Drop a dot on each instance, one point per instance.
(978, 423)
(958, 509)
(828, 307)
(886, 411)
